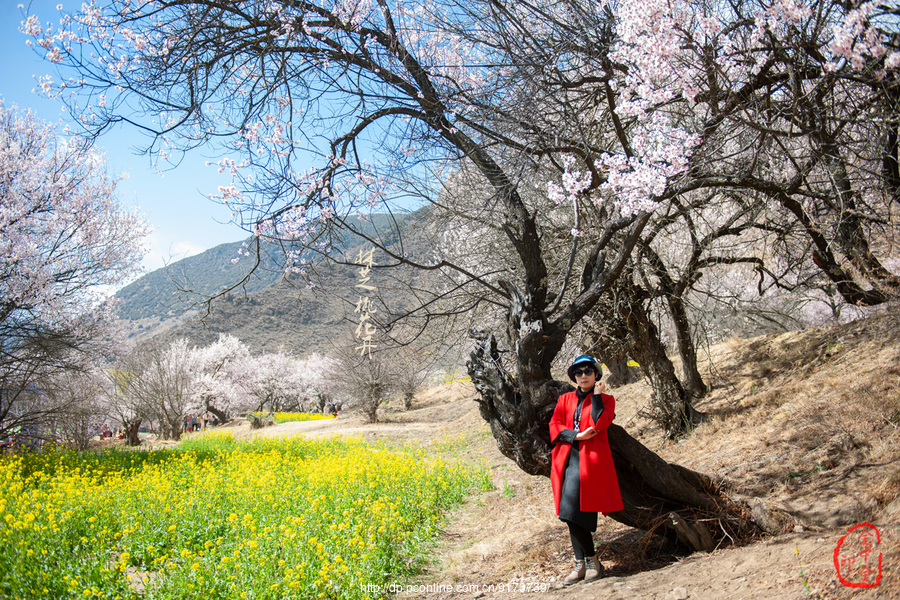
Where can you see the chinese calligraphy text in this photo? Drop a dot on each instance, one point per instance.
(365, 308)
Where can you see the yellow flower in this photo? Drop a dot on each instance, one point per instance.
(375, 497)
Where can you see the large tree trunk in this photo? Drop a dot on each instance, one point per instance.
(131, 432)
(619, 371)
(884, 285)
(659, 497)
(171, 428)
(670, 406)
(220, 415)
(370, 411)
(851, 234)
(519, 422)
(626, 328)
(674, 292)
(690, 376)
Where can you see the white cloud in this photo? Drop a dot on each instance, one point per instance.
(164, 251)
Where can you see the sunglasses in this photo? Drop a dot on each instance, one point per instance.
(580, 372)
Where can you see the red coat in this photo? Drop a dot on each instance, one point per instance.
(599, 485)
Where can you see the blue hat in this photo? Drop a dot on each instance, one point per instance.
(582, 360)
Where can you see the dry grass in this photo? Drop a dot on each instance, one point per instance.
(810, 419)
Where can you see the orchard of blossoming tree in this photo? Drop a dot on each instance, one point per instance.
(162, 382)
(157, 384)
(606, 165)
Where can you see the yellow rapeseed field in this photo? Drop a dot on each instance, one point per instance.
(218, 518)
(281, 417)
(287, 417)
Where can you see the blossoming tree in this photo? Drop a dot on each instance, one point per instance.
(157, 384)
(63, 236)
(222, 371)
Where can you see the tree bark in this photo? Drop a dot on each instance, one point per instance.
(619, 371)
(627, 329)
(666, 499)
(171, 428)
(691, 379)
(670, 405)
(825, 258)
(220, 415)
(131, 432)
(851, 235)
(370, 412)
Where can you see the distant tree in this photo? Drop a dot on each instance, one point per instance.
(412, 364)
(123, 409)
(158, 384)
(319, 376)
(222, 377)
(409, 379)
(365, 382)
(63, 237)
(274, 382)
(81, 409)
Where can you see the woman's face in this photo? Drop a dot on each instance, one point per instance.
(585, 377)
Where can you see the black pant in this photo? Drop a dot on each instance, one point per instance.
(582, 541)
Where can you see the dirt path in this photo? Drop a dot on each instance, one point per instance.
(508, 544)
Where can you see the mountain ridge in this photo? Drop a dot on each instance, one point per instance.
(273, 309)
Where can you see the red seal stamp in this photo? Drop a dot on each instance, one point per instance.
(856, 557)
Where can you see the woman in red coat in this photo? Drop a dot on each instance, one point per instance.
(582, 475)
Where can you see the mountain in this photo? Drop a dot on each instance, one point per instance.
(177, 286)
(284, 316)
(272, 310)
(168, 296)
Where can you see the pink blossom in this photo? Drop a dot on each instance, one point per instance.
(58, 190)
(32, 26)
(53, 55)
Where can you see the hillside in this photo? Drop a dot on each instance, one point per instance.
(168, 296)
(271, 310)
(806, 425)
(292, 315)
(285, 315)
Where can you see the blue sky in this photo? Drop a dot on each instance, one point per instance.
(176, 204)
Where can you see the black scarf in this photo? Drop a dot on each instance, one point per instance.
(596, 407)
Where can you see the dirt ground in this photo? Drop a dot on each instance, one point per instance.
(808, 422)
